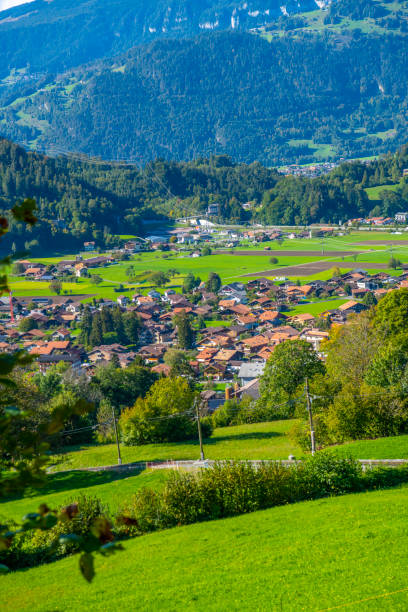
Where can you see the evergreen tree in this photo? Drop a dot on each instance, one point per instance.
(185, 333)
(86, 325)
(96, 335)
(213, 283)
(118, 326)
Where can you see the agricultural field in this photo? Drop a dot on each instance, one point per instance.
(303, 259)
(266, 560)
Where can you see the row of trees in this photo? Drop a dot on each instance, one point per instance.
(109, 325)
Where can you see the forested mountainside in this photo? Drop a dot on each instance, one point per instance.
(54, 36)
(83, 200)
(226, 93)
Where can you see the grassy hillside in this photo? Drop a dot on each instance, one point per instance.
(63, 488)
(341, 552)
(394, 447)
(255, 441)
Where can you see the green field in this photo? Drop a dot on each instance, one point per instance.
(373, 192)
(316, 308)
(347, 552)
(65, 487)
(254, 441)
(230, 266)
(394, 447)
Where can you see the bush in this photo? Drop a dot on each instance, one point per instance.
(35, 547)
(229, 489)
(166, 414)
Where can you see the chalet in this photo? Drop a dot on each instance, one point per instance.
(271, 316)
(249, 321)
(215, 371)
(250, 389)
(226, 355)
(162, 369)
(46, 361)
(303, 318)
(89, 246)
(314, 337)
(352, 307)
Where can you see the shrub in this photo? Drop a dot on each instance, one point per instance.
(35, 547)
(166, 414)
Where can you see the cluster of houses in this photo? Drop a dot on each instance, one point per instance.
(237, 329)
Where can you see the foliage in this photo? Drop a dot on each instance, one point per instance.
(185, 334)
(229, 488)
(213, 283)
(287, 368)
(166, 414)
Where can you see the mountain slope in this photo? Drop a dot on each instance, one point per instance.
(226, 93)
(53, 36)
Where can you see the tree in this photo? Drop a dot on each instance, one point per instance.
(391, 312)
(96, 335)
(166, 414)
(118, 325)
(206, 250)
(185, 333)
(213, 283)
(288, 366)
(95, 279)
(190, 282)
(55, 286)
(18, 268)
(351, 349)
(86, 325)
(159, 278)
(27, 324)
(273, 260)
(369, 299)
(179, 362)
(131, 325)
(121, 387)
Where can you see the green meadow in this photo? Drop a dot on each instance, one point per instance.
(231, 266)
(321, 555)
(254, 441)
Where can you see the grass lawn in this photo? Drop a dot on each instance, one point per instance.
(316, 308)
(218, 323)
(347, 552)
(254, 441)
(60, 489)
(394, 447)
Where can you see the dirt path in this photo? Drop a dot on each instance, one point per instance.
(272, 253)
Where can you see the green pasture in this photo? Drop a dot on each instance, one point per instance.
(65, 487)
(335, 553)
(316, 308)
(373, 192)
(393, 447)
(254, 441)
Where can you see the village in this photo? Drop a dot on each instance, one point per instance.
(235, 326)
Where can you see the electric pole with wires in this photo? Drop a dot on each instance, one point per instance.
(200, 435)
(309, 409)
(116, 435)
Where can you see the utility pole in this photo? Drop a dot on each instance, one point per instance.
(309, 409)
(116, 435)
(200, 435)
